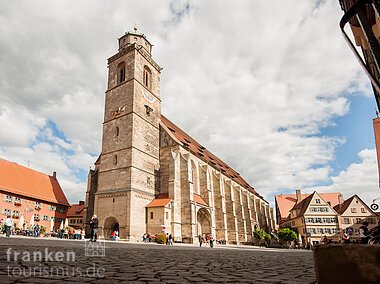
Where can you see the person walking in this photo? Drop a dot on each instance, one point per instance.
(363, 233)
(94, 228)
(8, 226)
(211, 241)
(170, 239)
(200, 240)
(36, 231)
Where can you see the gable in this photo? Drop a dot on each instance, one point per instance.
(356, 207)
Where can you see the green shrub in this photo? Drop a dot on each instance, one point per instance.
(161, 239)
(287, 234)
(261, 235)
(42, 230)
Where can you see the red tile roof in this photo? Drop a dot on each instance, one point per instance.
(76, 210)
(285, 202)
(160, 201)
(202, 153)
(23, 181)
(198, 199)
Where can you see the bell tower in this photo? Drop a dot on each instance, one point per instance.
(130, 147)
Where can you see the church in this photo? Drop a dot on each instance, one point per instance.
(152, 177)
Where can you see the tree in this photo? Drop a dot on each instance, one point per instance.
(287, 235)
(262, 237)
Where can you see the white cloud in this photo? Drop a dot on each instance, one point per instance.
(253, 83)
(359, 178)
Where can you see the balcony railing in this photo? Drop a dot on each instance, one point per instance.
(362, 16)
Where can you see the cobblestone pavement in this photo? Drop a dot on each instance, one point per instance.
(65, 260)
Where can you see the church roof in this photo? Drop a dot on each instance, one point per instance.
(160, 201)
(198, 199)
(23, 181)
(202, 153)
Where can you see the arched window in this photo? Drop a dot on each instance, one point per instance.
(121, 72)
(194, 177)
(147, 77)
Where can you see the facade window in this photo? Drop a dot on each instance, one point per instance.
(358, 220)
(346, 220)
(18, 200)
(117, 131)
(115, 159)
(37, 205)
(8, 198)
(353, 210)
(36, 217)
(318, 220)
(147, 77)
(61, 209)
(6, 211)
(79, 221)
(72, 221)
(45, 218)
(167, 215)
(363, 210)
(327, 230)
(121, 72)
(151, 215)
(52, 208)
(318, 201)
(319, 230)
(16, 213)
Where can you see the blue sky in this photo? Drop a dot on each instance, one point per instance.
(267, 90)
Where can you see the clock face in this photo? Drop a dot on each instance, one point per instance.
(150, 98)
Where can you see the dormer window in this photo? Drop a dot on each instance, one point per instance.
(121, 72)
(147, 77)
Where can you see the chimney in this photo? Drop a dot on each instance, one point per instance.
(81, 202)
(298, 195)
(341, 200)
(54, 175)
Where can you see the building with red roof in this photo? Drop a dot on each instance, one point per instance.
(31, 197)
(152, 177)
(76, 215)
(317, 215)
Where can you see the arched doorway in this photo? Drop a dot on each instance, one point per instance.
(110, 224)
(203, 222)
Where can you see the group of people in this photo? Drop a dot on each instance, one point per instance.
(75, 234)
(10, 228)
(209, 240)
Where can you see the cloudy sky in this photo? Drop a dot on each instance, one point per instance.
(269, 86)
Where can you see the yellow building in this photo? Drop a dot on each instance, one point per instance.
(352, 213)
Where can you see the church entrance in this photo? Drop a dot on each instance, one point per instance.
(203, 223)
(110, 224)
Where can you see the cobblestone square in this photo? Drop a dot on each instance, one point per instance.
(151, 263)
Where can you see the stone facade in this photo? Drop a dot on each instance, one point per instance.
(148, 180)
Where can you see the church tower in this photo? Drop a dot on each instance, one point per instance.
(128, 165)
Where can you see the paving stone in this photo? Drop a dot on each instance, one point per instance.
(144, 263)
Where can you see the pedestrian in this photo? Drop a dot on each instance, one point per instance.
(167, 238)
(66, 233)
(36, 230)
(363, 232)
(82, 234)
(200, 240)
(170, 239)
(113, 236)
(8, 224)
(94, 228)
(346, 238)
(211, 241)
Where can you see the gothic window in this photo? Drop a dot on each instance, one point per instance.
(121, 72)
(147, 77)
(115, 159)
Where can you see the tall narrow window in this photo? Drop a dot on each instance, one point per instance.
(151, 215)
(115, 159)
(121, 72)
(147, 77)
(117, 131)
